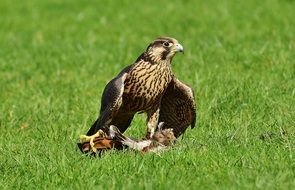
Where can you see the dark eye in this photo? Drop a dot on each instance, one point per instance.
(166, 44)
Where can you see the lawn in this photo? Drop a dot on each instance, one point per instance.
(57, 56)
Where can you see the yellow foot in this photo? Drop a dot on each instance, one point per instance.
(90, 139)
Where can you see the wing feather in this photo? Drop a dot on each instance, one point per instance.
(110, 104)
(178, 107)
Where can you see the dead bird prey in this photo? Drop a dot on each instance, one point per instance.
(161, 139)
(147, 86)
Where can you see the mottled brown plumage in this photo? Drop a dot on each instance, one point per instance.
(178, 108)
(140, 88)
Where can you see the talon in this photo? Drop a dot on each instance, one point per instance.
(90, 139)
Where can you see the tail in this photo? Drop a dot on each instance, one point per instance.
(115, 133)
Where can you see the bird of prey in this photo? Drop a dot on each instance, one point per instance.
(149, 86)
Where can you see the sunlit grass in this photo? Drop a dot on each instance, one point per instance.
(57, 56)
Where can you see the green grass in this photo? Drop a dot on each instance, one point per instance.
(56, 57)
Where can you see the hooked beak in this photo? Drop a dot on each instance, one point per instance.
(179, 48)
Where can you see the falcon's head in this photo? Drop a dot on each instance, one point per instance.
(163, 48)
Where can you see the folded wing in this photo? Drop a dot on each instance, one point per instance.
(178, 107)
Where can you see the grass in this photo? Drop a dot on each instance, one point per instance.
(57, 56)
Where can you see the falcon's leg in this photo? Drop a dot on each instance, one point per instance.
(101, 128)
(152, 121)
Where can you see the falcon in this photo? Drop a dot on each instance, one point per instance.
(147, 86)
